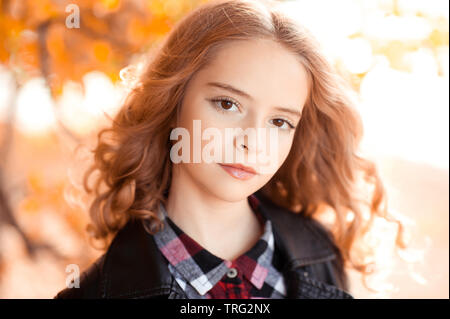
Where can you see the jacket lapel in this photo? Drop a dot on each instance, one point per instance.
(297, 236)
(304, 242)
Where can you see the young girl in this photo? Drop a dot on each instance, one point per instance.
(197, 228)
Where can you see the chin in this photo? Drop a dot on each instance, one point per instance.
(220, 184)
(231, 190)
(231, 195)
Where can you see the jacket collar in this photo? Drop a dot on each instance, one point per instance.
(303, 240)
(134, 267)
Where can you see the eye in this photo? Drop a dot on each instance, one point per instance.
(225, 104)
(282, 123)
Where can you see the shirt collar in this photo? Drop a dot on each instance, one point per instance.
(203, 269)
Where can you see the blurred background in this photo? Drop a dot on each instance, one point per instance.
(60, 79)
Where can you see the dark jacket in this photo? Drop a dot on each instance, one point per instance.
(133, 267)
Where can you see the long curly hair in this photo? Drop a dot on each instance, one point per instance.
(323, 170)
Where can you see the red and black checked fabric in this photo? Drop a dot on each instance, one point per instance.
(203, 275)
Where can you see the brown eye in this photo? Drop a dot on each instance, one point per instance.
(278, 122)
(226, 105)
(283, 124)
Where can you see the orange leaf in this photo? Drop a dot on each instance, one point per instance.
(101, 51)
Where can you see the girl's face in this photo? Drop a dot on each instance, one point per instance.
(250, 84)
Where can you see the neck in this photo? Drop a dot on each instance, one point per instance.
(226, 229)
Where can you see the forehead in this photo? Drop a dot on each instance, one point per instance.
(267, 71)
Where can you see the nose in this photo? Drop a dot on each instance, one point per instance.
(246, 145)
(240, 143)
(257, 146)
(244, 140)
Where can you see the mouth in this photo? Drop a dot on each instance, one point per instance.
(239, 171)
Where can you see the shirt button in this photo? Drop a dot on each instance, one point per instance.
(232, 272)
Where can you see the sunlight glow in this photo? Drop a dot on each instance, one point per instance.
(83, 112)
(35, 113)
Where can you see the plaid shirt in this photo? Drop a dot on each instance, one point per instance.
(203, 275)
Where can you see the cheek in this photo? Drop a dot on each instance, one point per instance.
(278, 153)
(195, 117)
(284, 148)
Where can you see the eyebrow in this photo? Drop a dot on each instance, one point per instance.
(248, 96)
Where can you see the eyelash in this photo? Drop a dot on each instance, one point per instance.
(221, 99)
(287, 122)
(227, 99)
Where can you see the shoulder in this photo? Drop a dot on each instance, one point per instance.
(89, 283)
(92, 279)
(133, 249)
(307, 243)
(331, 270)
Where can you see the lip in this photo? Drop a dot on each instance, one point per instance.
(239, 171)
